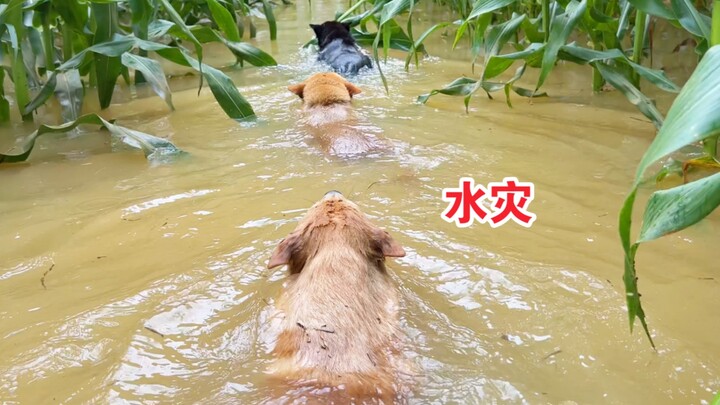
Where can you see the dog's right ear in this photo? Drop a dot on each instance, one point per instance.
(297, 89)
(282, 253)
(352, 89)
(318, 29)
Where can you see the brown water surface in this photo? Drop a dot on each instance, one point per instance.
(155, 286)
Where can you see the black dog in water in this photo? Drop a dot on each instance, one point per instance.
(338, 48)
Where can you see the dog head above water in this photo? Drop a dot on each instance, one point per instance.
(335, 230)
(330, 31)
(325, 89)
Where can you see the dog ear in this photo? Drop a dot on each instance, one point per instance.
(352, 89)
(318, 29)
(388, 245)
(297, 89)
(346, 25)
(283, 252)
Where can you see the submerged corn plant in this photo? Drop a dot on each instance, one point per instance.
(59, 47)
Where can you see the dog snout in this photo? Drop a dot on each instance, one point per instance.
(332, 194)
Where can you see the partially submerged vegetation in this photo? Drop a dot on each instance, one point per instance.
(618, 34)
(60, 47)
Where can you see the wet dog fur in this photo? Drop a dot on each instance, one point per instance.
(329, 116)
(340, 334)
(338, 48)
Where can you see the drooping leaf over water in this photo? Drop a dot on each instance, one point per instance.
(69, 92)
(693, 116)
(152, 146)
(671, 210)
(153, 74)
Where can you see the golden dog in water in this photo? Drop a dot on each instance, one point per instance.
(340, 335)
(329, 116)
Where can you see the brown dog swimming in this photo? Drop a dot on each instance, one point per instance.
(340, 335)
(330, 118)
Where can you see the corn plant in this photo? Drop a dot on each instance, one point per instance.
(58, 47)
(693, 117)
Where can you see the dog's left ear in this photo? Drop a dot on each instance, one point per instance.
(346, 25)
(297, 89)
(283, 252)
(388, 245)
(318, 29)
(352, 89)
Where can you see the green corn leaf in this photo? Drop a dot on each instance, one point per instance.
(623, 21)
(251, 54)
(656, 77)
(653, 7)
(392, 9)
(153, 73)
(4, 103)
(175, 17)
(270, 17)
(224, 90)
(73, 13)
(142, 13)
(497, 64)
(375, 45)
(677, 208)
(531, 28)
(632, 294)
(478, 40)
(224, 20)
(527, 92)
(508, 85)
(613, 76)
(582, 55)
(241, 50)
(562, 26)
(419, 42)
(70, 93)
(386, 36)
(716, 400)
(398, 38)
(500, 34)
(12, 17)
(487, 6)
(693, 115)
(691, 19)
(460, 32)
(107, 68)
(152, 146)
(463, 86)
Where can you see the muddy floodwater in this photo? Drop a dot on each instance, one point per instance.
(128, 281)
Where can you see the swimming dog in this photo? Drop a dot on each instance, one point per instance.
(329, 117)
(340, 336)
(338, 48)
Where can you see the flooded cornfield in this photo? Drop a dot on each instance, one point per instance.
(124, 280)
